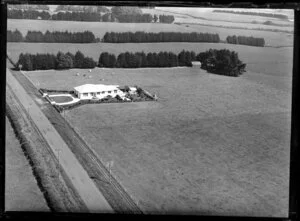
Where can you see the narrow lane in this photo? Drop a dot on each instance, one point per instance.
(86, 188)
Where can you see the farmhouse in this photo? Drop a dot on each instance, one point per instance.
(94, 91)
(196, 64)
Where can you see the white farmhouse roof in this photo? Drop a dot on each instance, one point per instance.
(196, 62)
(88, 88)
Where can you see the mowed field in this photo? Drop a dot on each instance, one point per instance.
(100, 28)
(211, 144)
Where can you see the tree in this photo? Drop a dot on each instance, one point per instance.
(63, 61)
(78, 60)
(222, 62)
(25, 62)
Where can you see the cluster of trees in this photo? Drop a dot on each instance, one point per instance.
(28, 14)
(67, 60)
(90, 13)
(243, 40)
(52, 37)
(14, 36)
(138, 37)
(166, 18)
(126, 10)
(77, 16)
(141, 59)
(136, 18)
(80, 8)
(29, 7)
(223, 62)
(263, 14)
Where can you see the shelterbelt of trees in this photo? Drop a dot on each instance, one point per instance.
(263, 14)
(89, 16)
(138, 37)
(29, 7)
(52, 37)
(30, 62)
(243, 40)
(222, 62)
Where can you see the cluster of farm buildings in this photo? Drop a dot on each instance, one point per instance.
(99, 91)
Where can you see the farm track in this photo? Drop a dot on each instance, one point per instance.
(114, 193)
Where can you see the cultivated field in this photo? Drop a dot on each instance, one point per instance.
(21, 189)
(274, 61)
(210, 145)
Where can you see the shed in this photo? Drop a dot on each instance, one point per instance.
(196, 64)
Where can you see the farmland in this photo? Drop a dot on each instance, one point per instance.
(100, 28)
(21, 190)
(210, 145)
(274, 61)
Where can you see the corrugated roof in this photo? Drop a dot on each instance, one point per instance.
(87, 88)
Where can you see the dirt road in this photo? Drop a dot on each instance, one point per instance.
(92, 197)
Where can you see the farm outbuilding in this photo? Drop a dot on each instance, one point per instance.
(92, 91)
(196, 64)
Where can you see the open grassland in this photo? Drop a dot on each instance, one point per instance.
(274, 61)
(210, 145)
(21, 189)
(207, 13)
(100, 28)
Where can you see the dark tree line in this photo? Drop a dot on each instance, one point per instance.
(243, 40)
(138, 37)
(28, 14)
(137, 18)
(79, 8)
(77, 16)
(14, 36)
(141, 59)
(223, 62)
(52, 37)
(166, 18)
(67, 60)
(28, 7)
(91, 13)
(263, 14)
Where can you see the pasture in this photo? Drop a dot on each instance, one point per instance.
(210, 145)
(273, 61)
(100, 28)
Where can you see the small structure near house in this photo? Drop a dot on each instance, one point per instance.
(97, 91)
(196, 64)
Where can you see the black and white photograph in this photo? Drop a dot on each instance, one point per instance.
(130, 109)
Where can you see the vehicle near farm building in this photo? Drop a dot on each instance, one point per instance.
(97, 91)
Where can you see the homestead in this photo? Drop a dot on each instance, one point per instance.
(97, 91)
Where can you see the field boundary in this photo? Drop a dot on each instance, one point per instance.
(55, 186)
(114, 193)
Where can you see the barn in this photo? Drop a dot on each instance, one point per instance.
(94, 91)
(196, 64)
